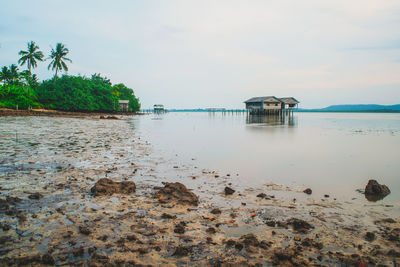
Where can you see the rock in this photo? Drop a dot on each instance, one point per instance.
(299, 224)
(131, 237)
(179, 229)
(168, 216)
(216, 211)
(5, 227)
(250, 240)
(211, 230)
(369, 236)
(308, 191)
(178, 193)
(229, 191)
(78, 252)
(307, 242)
(108, 118)
(84, 230)
(35, 196)
(3, 239)
(375, 191)
(283, 255)
(393, 253)
(261, 195)
(107, 187)
(182, 251)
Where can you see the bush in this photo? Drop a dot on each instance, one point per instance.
(13, 95)
(77, 93)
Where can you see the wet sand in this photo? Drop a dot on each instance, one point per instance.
(50, 216)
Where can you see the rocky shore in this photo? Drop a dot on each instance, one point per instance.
(85, 192)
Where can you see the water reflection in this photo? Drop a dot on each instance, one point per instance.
(272, 120)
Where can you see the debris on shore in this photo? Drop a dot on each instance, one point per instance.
(177, 192)
(228, 191)
(107, 187)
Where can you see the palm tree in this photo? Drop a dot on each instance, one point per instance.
(14, 75)
(9, 75)
(4, 75)
(58, 58)
(30, 56)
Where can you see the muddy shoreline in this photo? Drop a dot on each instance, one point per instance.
(57, 113)
(51, 215)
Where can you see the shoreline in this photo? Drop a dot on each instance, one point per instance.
(54, 217)
(58, 113)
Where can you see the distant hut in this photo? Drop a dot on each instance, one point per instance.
(264, 103)
(123, 105)
(158, 108)
(271, 105)
(289, 102)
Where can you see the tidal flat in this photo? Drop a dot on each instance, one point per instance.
(51, 216)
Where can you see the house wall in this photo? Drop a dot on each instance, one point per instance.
(257, 105)
(123, 107)
(272, 105)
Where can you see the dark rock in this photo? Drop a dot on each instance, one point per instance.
(239, 246)
(178, 193)
(21, 218)
(299, 224)
(393, 253)
(216, 211)
(107, 187)
(13, 200)
(229, 191)
(308, 191)
(283, 255)
(5, 227)
(326, 196)
(181, 251)
(375, 191)
(168, 216)
(142, 250)
(84, 230)
(3, 239)
(250, 240)
(78, 252)
(385, 220)
(308, 242)
(264, 244)
(262, 195)
(179, 229)
(369, 236)
(230, 243)
(131, 238)
(35, 196)
(270, 223)
(211, 230)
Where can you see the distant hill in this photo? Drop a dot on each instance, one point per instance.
(357, 108)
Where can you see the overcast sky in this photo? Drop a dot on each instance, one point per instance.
(189, 54)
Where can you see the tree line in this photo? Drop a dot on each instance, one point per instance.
(22, 89)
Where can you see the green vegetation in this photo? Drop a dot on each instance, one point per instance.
(69, 93)
(58, 58)
(30, 56)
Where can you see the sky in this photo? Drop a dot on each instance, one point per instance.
(208, 53)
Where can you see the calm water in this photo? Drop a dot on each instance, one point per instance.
(333, 153)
